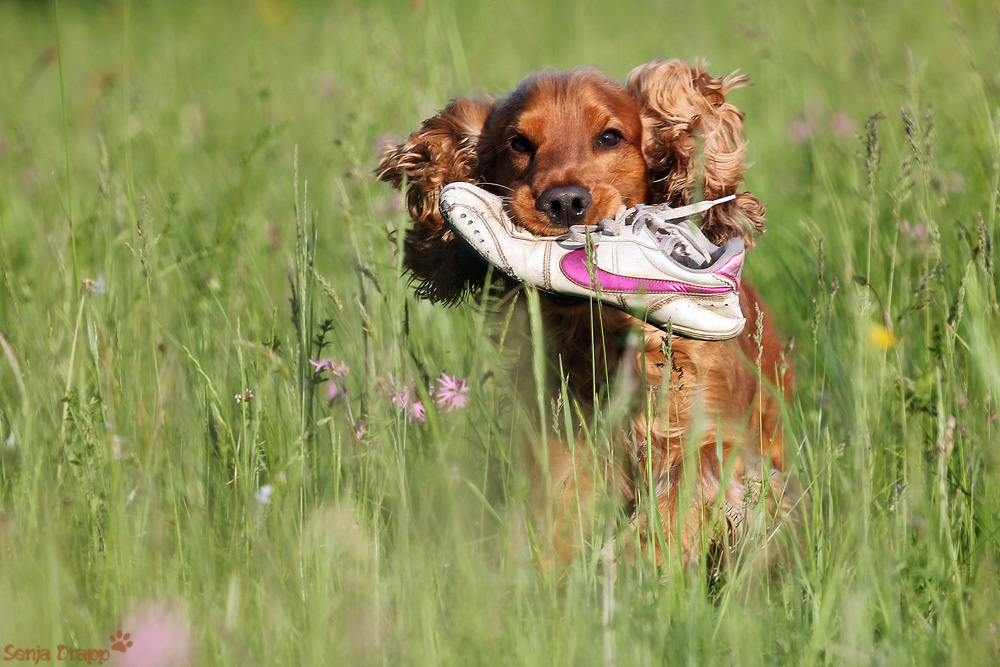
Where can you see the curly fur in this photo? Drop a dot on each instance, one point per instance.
(682, 106)
(679, 138)
(444, 150)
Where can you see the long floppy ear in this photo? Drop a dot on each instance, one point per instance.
(444, 150)
(693, 138)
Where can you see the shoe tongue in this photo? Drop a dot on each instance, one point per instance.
(689, 256)
(684, 244)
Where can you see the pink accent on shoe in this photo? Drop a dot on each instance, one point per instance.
(733, 268)
(574, 267)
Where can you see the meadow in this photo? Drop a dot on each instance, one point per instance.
(189, 216)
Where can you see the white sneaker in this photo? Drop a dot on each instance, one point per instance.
(667, 274)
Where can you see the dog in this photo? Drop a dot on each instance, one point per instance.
(704, 435)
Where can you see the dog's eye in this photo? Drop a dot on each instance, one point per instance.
(609, 139)
(519, 144)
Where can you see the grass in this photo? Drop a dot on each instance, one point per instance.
(208, 167)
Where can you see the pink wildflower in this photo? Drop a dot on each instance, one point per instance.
(841, 124)
(450, 393)
(160, 636)
(320, 366)
(338, 368)
(416, 411)
(799, 131)
(400, 396)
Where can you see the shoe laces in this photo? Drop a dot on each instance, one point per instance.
(684, 243)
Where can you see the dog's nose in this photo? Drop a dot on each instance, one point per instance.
(565, 204)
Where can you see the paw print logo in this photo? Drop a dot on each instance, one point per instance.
(120, 641)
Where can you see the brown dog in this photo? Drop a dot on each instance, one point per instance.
(569, 148)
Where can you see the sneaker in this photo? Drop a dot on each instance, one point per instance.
(667, 274)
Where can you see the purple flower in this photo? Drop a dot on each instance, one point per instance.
(841, 124)
(320, 366)
(799, 131)
(401, 398)
(450, 393)
(338, 368)
(416, 411)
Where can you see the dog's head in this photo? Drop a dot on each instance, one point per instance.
(569, 148)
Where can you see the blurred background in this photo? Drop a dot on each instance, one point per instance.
(188, 214)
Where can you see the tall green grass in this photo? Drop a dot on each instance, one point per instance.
(211, 178)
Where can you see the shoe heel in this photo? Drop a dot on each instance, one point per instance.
(733, 268)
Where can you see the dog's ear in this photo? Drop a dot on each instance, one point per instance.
(444, 150)
(693, 139)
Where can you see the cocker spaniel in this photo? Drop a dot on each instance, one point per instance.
(702, 449)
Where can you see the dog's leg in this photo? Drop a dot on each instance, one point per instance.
(568, 485)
